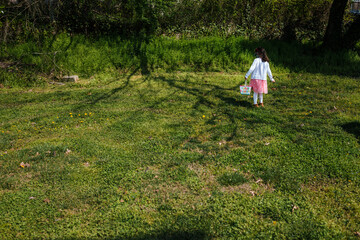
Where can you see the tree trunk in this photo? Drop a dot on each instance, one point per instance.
(5, 31)
(333, 34)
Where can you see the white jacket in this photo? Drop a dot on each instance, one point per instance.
(259, 70)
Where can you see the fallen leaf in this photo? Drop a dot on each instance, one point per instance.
(23, 165)
(295, 208)
(86, 164)
(122, 200)
(46, 200)
(266, 144)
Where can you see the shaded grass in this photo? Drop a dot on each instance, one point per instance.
(67, 55)
(180, 156)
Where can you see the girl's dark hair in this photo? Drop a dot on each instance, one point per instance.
(262, 54)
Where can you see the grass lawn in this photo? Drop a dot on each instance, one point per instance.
(181, 156)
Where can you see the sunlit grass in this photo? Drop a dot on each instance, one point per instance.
(180, 156)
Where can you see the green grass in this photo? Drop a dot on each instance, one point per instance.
(181, 156)
(68, 55)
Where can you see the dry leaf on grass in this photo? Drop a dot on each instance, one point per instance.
(24, 165)
(295, 208)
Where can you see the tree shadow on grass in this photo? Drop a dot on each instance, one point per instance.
(209, 98)
(223, 101)
(234, 102)
(352, 128)
(175, 235)
(161, 235)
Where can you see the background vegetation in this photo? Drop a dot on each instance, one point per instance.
(270, 19)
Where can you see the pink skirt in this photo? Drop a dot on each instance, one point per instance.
(259, 86)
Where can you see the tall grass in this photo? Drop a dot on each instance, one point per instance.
(79, 55)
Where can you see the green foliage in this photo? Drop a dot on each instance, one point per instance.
(295, 19)
(91, 17)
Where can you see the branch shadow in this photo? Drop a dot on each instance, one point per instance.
(216, 92)
(175, 235)
(115, 90)
(140, 46)
(162, 235)
(221, 100)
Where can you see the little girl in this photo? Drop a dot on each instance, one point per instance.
(259, 70)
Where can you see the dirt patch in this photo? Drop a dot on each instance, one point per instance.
(4, 65)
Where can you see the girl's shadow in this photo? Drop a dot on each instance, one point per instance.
(246, 104)
(235, 102)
